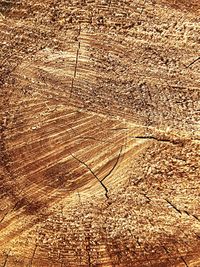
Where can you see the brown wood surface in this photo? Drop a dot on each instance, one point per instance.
(99, 133)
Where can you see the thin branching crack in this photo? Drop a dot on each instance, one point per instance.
(194, 61)
(165, 249)
(4, 216)
(85, 164)
(156, 139)
(196, 217)
(79, 197)
(174, 207)
(145, 195)
(120, 128)
(6, 260)
(114, 166)
(187, 212)
(184, 261)
(33, 255)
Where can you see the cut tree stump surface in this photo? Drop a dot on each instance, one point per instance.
(99, 133)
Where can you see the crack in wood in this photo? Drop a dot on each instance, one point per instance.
(6, 259)
(117, 129)
(114, 166)
(157, 139)
(4, 216)
(194, 61)
(79, 197)
(184, 261)
(198, 236)
(187, 212)
(85, 164)
(145, 195)
(165, 249)
(152, 137)
(196, 217)
(76, 62)
(33, 255)
(172, 205)
(193, 215)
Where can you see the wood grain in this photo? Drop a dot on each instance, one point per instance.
(99, 133)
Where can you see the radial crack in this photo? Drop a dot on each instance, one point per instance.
(117, 129)
(194, 61)
(173, 206)
(155, 138)
(4, 216)
(194, 216)
(184, 261)
(32, 257)
(85, 164)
